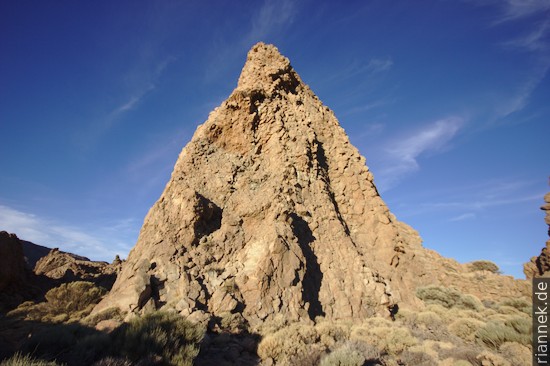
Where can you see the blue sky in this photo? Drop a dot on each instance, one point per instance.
(448, 100)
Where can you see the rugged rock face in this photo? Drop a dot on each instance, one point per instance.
(270, 210)
(12, 262)
(67, 267)
(540, 266)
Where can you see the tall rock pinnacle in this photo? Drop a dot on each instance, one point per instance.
(270, 210)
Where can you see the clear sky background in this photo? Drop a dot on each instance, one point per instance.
(449, 101)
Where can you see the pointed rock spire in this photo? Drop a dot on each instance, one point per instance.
(270, 210)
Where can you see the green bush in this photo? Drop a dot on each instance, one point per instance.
(448, 297)
(520, 304)
(67, 303)
(483, 266)
(495, 333)
(25, 360)
(346, 355)
(165, 336)
(74, 296)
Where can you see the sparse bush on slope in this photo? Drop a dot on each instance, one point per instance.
(346, 355)
(483, 266)
(69, 302)
(25, 360)
(159, 336)
(448, 297)
(496, 333)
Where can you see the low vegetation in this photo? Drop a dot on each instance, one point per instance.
(484, 266)
(453, 329)
(67, 303)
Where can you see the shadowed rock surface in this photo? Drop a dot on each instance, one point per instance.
(540, 266)
(13, 273)
(271, 210)
(68, 267)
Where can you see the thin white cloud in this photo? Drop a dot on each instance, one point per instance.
(105, 242)
(534, 41)
(378, 65)
(517, 9)
(272, 17)
(465, 216)
(402, 154)
(132, 101)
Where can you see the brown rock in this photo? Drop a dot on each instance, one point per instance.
(540, 266)
(12, 262)
(66, 267)
(270, 210)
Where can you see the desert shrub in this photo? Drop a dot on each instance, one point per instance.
(74, 296)
(494, 334)
(273, 325)
(107, 314)
(516, 353)
(55, 341)
(69, 302)
(25, 360)
(465, 328)
(520, 304)
(159, 335)
(447, 297)
(113, 361)
(234, 323)
(390, 340)
(461, 354)
(346, 355)
(483, 266)
(288, 343)
(417, 358)
(331, 333)
(492, 359)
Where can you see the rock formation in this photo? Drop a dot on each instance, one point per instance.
(270, 210)
(13, 273)
(540, 266)
(67, 267)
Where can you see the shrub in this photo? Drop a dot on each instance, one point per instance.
(346, 355)
(516, 353)
(483, 266)
(288, 343)
(387, 339)
(494, 333)
(447, 297)
(56, 340)
(520, 304)
(417, 359)
(466, 328)
(69, 302)
(107, 314)
(160, 335)
(25, 360)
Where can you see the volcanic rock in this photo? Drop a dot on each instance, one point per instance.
(540, 266)
(67, 267)
(271, 210)
(12, 262)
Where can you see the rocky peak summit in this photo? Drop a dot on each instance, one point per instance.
(270, 210)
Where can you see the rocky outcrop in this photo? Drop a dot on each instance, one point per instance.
(271, 210)
(540, 266)
(67, 267)
(13, 273)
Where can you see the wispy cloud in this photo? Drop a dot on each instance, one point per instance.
(402, 154)
(517, 9)
(104, 244)
(465, 216)
(534, 40)
(378, 65)
(272, 17)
